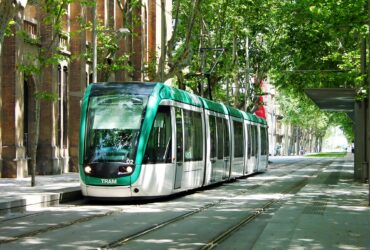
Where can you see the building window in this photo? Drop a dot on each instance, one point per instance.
(65, 107)
(62, 120)
(59, 119)
(30, 28)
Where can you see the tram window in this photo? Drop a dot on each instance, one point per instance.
(213, 136)
(193, 136)
(113, 127)
(263, 141)
(249, 128)
(255, 140)
(159, 147)
(238, 139)
(226, 139)
(220, 138)
(179, 136)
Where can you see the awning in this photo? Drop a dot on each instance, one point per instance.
(333, 99)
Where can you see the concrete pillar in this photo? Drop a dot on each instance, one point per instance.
(47, 151)
(360, 142)
(1, 104)
(13, 151)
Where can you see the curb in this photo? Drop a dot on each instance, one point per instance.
(45, 199)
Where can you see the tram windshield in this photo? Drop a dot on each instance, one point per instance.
(113, 124)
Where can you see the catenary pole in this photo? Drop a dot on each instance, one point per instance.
(368, 94)
(94, 46)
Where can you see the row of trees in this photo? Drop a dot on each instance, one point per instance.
(296, 44)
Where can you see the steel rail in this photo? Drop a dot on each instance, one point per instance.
(126, 239)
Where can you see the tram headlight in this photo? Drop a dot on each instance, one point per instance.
(87, 169)
(129, 169)
(125, 170)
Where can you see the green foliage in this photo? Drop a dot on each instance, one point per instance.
(328, 154)
(46, 96)
(345, 123)
(298, 110)
(9, 31)
(108, 58)
(319, 44)
(49, 54)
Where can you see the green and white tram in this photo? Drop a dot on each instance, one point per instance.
(150, 140)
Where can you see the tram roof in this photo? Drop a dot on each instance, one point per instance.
(235, 112)
(167, 92)
(214, 106)
(179, 95)
(138, 88)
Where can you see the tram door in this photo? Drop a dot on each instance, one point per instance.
(179, 148)
(226, 133)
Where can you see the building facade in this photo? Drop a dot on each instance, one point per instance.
(64, 81)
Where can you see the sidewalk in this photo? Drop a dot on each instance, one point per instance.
(16, 195)
(330, 212)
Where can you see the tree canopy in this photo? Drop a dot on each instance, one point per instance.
(296, 44)
(223, 49)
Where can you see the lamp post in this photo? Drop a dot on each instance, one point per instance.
(95, 40)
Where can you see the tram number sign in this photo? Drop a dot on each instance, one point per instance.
(109, 181)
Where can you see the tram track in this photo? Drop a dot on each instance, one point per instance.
(54, 227)
(250, 218)
(211, 244)
(127, 239)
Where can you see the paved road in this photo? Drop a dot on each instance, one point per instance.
(283, 208)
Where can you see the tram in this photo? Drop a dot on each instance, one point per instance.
(146, 140)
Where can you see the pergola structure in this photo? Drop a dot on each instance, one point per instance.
(343, 100)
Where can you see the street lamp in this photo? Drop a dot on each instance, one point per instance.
(94, 43)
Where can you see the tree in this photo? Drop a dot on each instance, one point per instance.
(48, 56)
(8, 9)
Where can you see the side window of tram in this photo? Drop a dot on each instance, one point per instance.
(220, 136)
(263, 141)
(159, 147)
(257, 140)
(254, 140)
(213, 136)
(179, 136)
(193, 136)
(223, 142)
(226, 139)
(238, 139)
(249, 132)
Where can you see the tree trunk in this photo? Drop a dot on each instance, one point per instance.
(35, 139)
(162, 58)
(291, 141)
(7, 11)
